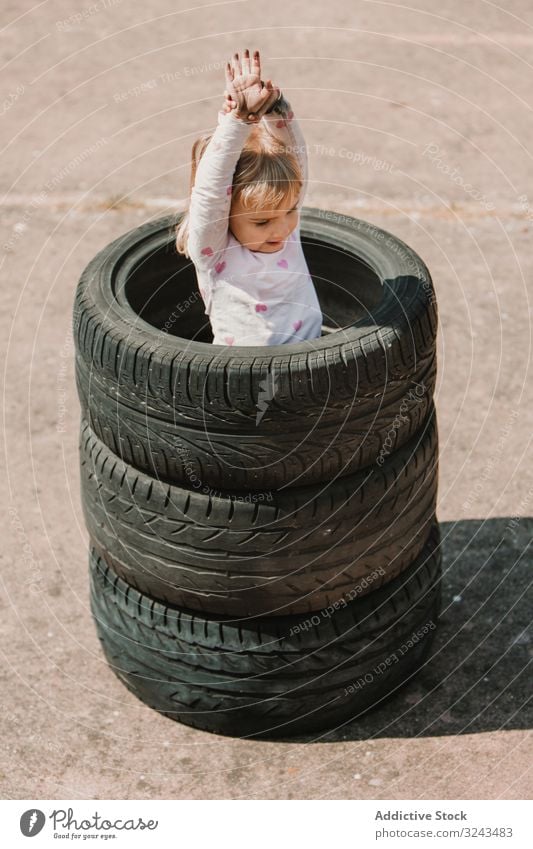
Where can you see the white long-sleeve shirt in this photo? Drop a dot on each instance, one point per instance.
(251, 297)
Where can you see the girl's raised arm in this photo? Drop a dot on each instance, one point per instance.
(211, 194)
(282, 124)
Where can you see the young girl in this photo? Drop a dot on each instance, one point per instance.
(242, 229)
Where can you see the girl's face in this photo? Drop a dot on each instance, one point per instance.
(264, 230)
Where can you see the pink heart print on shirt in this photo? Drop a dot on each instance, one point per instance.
(229, 190)
(261, 307)
(229, 340)
(219, 267)
(283, 263)
(290, 116)
(297, 324)
(207, 251)
(280, 124)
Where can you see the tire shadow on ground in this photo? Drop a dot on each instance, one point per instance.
(478, 673)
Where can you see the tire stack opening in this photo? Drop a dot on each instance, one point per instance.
(264, 549)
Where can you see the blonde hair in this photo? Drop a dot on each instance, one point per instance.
(266, 175)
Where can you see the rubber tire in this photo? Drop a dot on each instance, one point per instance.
(174, 406)
(300, 550)
(259, 460)
(274, 677)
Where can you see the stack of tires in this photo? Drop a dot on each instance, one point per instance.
(264, 549)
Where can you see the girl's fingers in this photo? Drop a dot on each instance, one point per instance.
(229, 74)
(273, 96)
(266, 97)
(237, 64)
(246, 62)
(256, 64)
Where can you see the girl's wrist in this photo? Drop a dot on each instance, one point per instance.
(240, 118)
(275, 106)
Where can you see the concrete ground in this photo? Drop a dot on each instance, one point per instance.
(419, 120)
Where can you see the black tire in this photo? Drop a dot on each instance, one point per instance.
(272, 553)
(264, 458)
(168, 401)
(275, 677)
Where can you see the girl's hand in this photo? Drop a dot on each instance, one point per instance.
(245, 92)
(230, 104)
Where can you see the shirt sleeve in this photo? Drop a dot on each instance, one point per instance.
(211, 194)
(282, 124)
